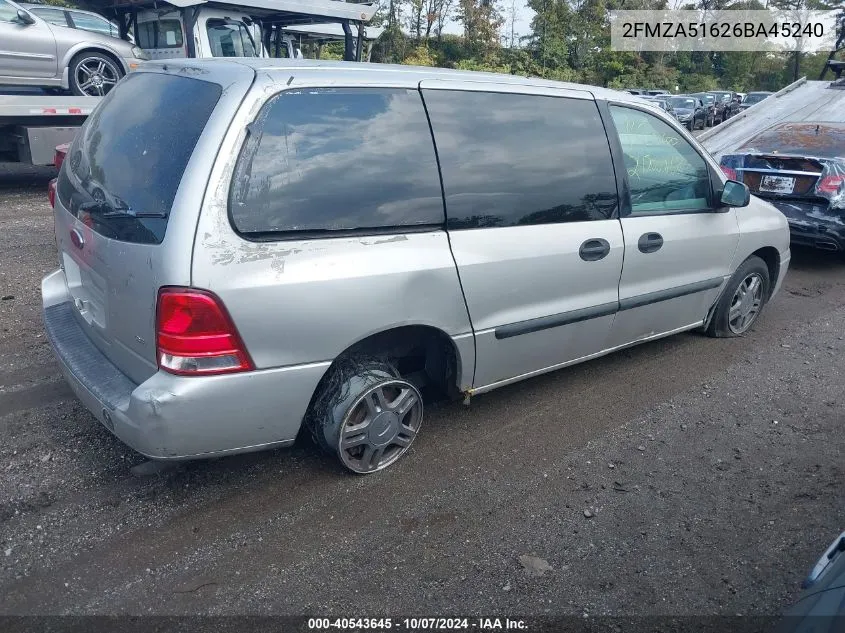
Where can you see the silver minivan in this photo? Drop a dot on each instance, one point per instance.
(247, 246)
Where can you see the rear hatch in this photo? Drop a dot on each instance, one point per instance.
(124, 220)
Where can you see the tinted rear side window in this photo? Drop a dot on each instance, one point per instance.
(126, 163)
(337, 160)
(511, 159)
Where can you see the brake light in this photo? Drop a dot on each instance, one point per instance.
(729, 172)
(830, 184)
(195, 335)
(51, 193)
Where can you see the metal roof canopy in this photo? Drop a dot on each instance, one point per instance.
(269, 11)
(330, 32)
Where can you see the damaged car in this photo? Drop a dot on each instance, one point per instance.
(277, 246)
(800, 169)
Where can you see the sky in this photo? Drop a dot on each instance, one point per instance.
(522, 22)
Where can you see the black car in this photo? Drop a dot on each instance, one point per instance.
(753, 97)
(689, 110)
(729, 102)
(710, 104)
(799, 168)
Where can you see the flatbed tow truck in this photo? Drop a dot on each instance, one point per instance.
(34, 124)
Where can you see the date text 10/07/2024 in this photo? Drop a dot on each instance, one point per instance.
(418, 624)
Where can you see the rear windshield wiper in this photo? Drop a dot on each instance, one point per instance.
(106, 210)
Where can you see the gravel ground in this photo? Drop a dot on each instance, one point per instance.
(684, 476)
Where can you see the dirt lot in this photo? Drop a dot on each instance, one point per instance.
(712, 472)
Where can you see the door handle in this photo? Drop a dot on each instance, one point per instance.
(594, 249)
(650, 242)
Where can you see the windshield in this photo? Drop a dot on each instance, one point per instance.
(229, 38)
(160, 34)
(708, 99)
(755, 98)
(126, 163)
(683, 102)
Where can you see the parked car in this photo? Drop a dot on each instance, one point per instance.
(689, 110)
(655, 93)
(821, 608)
(636, 91)
(727, 103)
(753, 98)
(663, 103)
(75, 19)
(709, 105)
(800, 169)
(266, 255)
(36, 53)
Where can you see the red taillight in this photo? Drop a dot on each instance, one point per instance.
(59, 156)
(51, 193)
(729, 172)
(830, 184)
(196, 336)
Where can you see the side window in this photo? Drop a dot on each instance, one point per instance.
(337, 159)
(90, 23)
(513, 159)
(53, 16)
(665, 173)
(8, 13)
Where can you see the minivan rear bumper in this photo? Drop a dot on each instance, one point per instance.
(178, 417)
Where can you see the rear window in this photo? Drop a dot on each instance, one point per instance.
(327, 160)
(160, 34)
(822, 140)
(126, 163)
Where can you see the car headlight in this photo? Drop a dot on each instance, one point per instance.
(139, 53)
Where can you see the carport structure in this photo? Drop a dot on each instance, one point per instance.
(339, 18)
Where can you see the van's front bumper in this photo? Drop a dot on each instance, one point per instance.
(178, 417)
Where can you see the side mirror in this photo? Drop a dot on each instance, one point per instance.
(735, 194)
(25, 18)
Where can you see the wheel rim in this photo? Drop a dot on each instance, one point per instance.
(380, 426)
(745, 304)
(95, 76)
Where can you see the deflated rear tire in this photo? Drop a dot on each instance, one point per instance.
(742, 301)
(365, 414)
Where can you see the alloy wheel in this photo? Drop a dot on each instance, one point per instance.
(746, 303)
(380, 426)
(96, 76)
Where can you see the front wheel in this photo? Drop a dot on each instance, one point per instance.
(742, 301)
(93, 74)
(366, 415)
